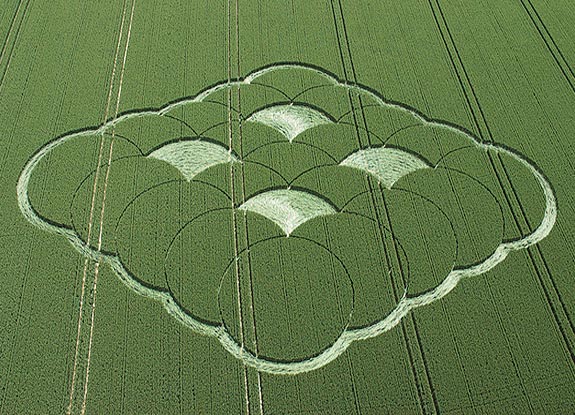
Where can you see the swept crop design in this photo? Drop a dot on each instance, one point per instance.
(407, 153)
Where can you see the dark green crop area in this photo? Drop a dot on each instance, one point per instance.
(287, 207)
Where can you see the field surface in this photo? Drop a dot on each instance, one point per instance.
(287, 207)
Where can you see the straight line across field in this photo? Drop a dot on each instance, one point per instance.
(287, 207)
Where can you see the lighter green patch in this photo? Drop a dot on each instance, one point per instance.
(290, 120)
(388, 165)
(191, 157)
(288, 208)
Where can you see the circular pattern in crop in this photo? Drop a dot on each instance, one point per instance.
(291, 222)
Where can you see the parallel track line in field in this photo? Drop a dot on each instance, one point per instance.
(484, 130)
(427, 374)
(188, 13)
(7, 11)
(550, 43)
(393, 240)
(103, 207)
(23, 289)
(72, 329)
(405, 337)
(447, 315)
(29, 253)
(480, 130)
(537, 253)
(233, 205)
(245, 219)
(350, 99)
(26, 273)
(135, 176)
(2, 78)
(125, 333)
(418, 382)
(412, 316)
(134, 185)
(569, 75)
(466, 222)
(396, 296)
(9, 31)
(401, 271)
(14, 41)
(70, 408)
(61, 106)
(5, 156)
(490, 290)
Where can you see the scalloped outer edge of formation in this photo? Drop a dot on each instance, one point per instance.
(348, 336)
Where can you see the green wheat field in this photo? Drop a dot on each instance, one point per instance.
(287, 207)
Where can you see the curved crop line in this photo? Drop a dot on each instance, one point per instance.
(299, 94)
(319, 244)
(201, 134)
(362, 128)
(79, 188)
(179, 232)
(173, 117)
(405, 305)
(361, 108)
(309, 170)
(449, 153)
(290, 65)
(426, 199)
(295, 141)
(286, 96)
(487, 189)
(269, 168)
(128, 140)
